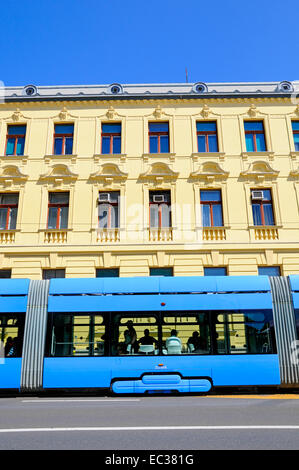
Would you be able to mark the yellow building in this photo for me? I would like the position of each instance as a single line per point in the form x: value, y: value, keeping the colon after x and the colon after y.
x: 149, y: 179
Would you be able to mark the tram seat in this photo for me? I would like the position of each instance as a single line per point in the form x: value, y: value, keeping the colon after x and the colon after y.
x: 191, y: 348
x: 147, y: 348
x: 174, y: 346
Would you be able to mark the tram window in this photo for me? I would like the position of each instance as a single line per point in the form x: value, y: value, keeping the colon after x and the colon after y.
x: 11, y: 334
x: 134, y: 335
x: 186, y: 334
x: 77, y: 335
x: 245, y: 333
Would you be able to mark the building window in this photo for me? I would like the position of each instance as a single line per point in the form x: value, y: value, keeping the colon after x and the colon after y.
x: 109, y: 209
x: 107, y: 272
x: 269, y: 270
x: 255, y: 136
x: 111, y: 138
x: 211, y: 208
x: 8, y: 211
x: 262, y: 209
x: 158, y: 137
x: 215, y: 271
x: 160, y: 209
x: 295, y: 127
x: 5, y: 273
x: 207, y: 137
x: 161, y: 271
x: 53, y: 273
x: 15, y: 140
x: 58, y: 210
x: 63, y: 139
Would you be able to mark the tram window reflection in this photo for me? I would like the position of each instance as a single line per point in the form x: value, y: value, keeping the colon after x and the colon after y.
x: 11, y: 334
x: 135, y: 335
x: 186, y: 333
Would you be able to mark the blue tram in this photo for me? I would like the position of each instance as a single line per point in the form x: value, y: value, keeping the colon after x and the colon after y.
x: 153, y: 334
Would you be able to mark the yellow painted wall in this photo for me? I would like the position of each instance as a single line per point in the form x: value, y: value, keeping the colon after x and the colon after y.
x: 232, y: 170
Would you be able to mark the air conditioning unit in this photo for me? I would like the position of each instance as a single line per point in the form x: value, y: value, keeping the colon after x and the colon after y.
x: 104, y: 197
x: 159, y: 198
x: 257, y: 195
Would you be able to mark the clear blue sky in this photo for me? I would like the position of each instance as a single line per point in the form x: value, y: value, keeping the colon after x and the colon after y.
x: 52, y: 42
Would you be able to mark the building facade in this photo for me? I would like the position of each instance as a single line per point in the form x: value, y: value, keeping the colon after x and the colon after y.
x: 139, y: 180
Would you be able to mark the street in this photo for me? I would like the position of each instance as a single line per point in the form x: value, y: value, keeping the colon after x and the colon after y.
x: 239, y: 422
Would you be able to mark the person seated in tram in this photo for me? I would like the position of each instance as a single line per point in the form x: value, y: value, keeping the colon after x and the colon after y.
x: 8, y: 348
x: 147, y: 340
x: 196, y: 344
x: 173, y: 343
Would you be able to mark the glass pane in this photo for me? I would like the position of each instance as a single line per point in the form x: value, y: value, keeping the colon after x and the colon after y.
x: 16, y: 130
x: 179, y: 336
x: 201, y: 143
x: 267, y: 195
x: 59, y: 198
x: 153, y: 144
x: 138, y: 336
x: 154, y: 215
x: 161, y: 272
x: 68, y: 146
x: 3, y: 218
x: 295, y: 125
x: 116, y: 145
x: 269, y: 270
x: 165, y: 212
x: 105, y: 145
x: 249, y: 143
x: 111, y: 128
x: 215, y: 272
x: 64, y: 213
x: 296, y: 142
x: 108, y: 272
x: 64, y: 128
x: 256, y: 212
x: 10, y: 146
x: 114, y: 222
x: 213, y: 144
x: 20, y: 146
x: 260, y: 142
x: 217, y: 215
x: 58, y: 146
x: 268, y: 214
x: 104, y: 215
x: 52, y: 217
x: 206, y: 215
x: 12, y: 218
x: 164, y: 144
x: 158, y: 127
x: 210, y: 195
x: 11, y: 334
x: 206, y: 126
x: 253, y: 126
x: 12, y: 198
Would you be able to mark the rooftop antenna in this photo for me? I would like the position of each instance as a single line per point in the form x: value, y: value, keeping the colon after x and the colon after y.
x: 186, y: 75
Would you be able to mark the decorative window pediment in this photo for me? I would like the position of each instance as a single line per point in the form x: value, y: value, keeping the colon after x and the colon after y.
x: 11, y: 174
x: 209, y: 172
x: 59, y: 174
x: 109, y: 173
x: 159, y: 172
x: 259, y: 171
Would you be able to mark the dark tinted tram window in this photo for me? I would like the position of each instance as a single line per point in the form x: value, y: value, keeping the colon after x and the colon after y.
x: 136, y: 335
x: 11, y: 334
x: 76, y: 335
x: 244, y: 332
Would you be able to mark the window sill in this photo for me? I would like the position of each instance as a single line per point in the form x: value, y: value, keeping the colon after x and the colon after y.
x: 101, y: 156
x: 24, y: 158
x: 147, y: 156
x: 268, y: 154
x: 70, y: 157
x: 197, y: 155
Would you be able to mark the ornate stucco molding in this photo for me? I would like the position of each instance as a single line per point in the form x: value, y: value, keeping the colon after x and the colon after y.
x: 209, y: 172
x: 12, y: 175
x: 159, y: 172
x: 259, y: 171
x: 109, y: 173
x: 59, y: 174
